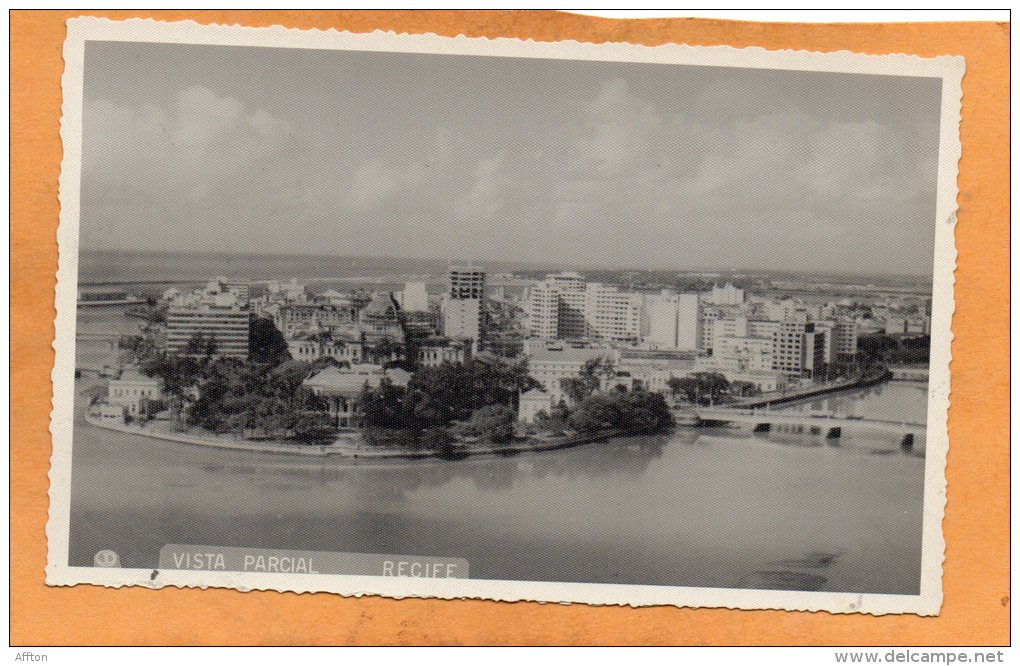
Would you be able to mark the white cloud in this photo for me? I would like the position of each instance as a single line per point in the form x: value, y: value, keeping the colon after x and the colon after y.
x: 485, y: 197
x: 376, y: 183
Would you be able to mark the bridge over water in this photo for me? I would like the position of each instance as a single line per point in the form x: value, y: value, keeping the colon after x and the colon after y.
x: 832, y: 425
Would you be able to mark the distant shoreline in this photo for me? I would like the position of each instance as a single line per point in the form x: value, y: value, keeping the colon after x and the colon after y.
x: 890, y: 280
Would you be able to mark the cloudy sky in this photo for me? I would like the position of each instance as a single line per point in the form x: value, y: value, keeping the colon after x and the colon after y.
x: 618, y: 164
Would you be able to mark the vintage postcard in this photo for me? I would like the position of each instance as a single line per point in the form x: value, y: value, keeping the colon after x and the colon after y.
x: 414, y: 316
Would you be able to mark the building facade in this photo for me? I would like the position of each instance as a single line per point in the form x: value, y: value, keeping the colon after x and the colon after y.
x: 533, y: 403
x: 463, y: 307
x: 219, y: 317
x: 800, y: 349
x: 342, y: 388
x: 466, y: 282
x: 726, y: 295
x: 132, y: 390
x: 564, y: 306
x: 436, y: 352
x: 674, y: 321
x: 414, y: 298
x: 462, y: 318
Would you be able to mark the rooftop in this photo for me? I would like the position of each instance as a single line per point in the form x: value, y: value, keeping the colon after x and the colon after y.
x: 133, y: 375
x: 567, y: 355
x: 350, y: 381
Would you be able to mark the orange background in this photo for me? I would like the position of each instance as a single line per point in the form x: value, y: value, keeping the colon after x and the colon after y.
x: 976, y: 577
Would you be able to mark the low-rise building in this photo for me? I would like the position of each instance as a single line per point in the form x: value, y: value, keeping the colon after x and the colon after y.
x: 112, y: 414
x: 918, y: 325
x: 432, y: 352
x: 743, y: 354
x: 312, y: 347
x: 895, y: 325
x: 549, y: 365
x: 532, y: 403
x: 132, y: 390
x: 301, y: 317
x: 342, y: 388
x: 382, y: 316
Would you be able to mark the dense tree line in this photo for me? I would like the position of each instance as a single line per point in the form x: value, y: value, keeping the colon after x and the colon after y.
x: 702, y: 388
x: 879, y: 348
x: 633, y: 411
x: 477, y: 395
x: 594, y: 373
x: 259, y: 396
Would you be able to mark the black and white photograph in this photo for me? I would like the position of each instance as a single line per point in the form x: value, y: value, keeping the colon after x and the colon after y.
x: 420, y: 316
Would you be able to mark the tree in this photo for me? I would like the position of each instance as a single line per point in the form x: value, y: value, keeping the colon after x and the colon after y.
x: 593, y: 414
x: 202, y: 347
x: 439, y: 395
x: 676, y: 385
x: 589, y: 380
x: 744, y: 389
x: 711, y: 385
x: 644, y: 412
x: 435, y: 439
x: 494, y: 423
x: 266, y: 344
x: 700, y: 387
x: 179, y: 374
x: 591, y: 377
x: 313, y: 427
x: 632, y: 411
x: 382, y: 406
x: 577, y: 388
x: 149, y: 407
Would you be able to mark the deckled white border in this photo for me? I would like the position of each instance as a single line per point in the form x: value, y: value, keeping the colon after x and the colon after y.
x: 949, y: 69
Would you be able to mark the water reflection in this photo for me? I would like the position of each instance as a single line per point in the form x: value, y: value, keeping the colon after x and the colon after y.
x: 622, y: 459
x: 891, y: 401
x: 699, y: 507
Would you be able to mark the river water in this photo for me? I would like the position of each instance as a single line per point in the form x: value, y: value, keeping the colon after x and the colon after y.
x: 698, y: 507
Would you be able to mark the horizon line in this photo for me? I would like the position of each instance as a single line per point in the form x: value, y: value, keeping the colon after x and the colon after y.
x: 452, y: 261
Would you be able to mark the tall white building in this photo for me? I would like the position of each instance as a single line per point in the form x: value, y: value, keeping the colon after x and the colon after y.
x: 467, y: 282
x: 612, y: 314
x: 462, y: 318
x: 728, y: 295
x: 799, y: 348
x: 414, y: 298
x: 463, y: 308
x: 841, y: 335
x: 660, y: 311
x: 565, y: 306
x: 222, y: 317
x: 674, y: 320
x: 688, y: 321
x: 542, y: 307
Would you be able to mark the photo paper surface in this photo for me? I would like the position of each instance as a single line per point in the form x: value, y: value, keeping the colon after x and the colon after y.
x: 465, y: 318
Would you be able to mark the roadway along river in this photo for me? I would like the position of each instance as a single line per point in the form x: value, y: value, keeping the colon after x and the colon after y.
x: 699, y: 507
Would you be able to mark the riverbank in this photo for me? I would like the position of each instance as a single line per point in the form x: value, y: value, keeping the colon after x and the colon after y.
x: 214, y: 442
x: 348, y: 449
x: 571, y: 512
x: 771, y: 400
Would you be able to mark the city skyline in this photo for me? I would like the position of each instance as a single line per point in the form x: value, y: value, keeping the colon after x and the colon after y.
x: 723, y: 168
